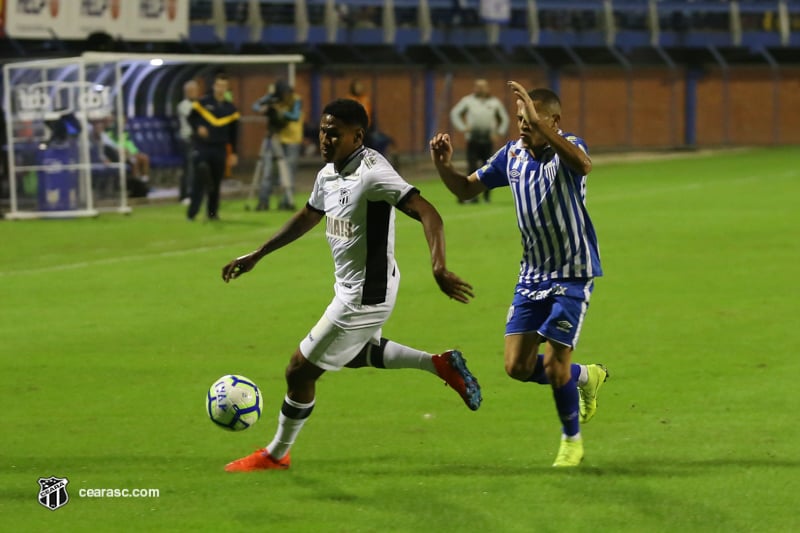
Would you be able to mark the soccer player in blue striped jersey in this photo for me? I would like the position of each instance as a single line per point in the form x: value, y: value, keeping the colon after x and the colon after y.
x: 546, y: 171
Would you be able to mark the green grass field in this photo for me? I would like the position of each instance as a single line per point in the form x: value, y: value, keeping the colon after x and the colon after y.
x: 112, y: 329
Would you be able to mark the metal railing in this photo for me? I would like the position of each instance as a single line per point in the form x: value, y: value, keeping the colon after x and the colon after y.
x: 536, y: 20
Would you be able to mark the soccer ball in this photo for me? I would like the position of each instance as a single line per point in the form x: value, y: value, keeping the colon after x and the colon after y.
x: 234, y: 402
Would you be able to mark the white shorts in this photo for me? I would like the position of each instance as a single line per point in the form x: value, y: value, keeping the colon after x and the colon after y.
x: 345, y: 329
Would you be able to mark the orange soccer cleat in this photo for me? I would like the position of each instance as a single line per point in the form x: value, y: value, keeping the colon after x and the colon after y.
x: 452, y: 368
x: 258, y: 460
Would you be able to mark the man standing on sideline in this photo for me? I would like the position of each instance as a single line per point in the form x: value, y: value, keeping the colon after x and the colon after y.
x: 215, y: 125
x: 184, y: 110
x: 546, y: 171
x: 483, y: 119
x: 357, y: 192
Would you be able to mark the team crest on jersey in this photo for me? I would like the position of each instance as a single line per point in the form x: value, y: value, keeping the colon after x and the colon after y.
x: 549, y: 170
x: 344, y: 197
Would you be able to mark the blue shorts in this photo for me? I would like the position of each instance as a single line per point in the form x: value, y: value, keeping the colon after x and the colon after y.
x: 554, y: 309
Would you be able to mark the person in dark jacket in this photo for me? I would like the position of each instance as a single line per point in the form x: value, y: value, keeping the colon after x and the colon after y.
x: 215, y: 125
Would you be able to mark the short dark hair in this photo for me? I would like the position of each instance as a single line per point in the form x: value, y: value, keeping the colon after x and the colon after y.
x: 348, y: 111
x: 221, y: 76
x: 548, y: 98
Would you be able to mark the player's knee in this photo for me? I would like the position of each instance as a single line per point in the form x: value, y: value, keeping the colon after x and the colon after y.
x: 518, y: 370
x: 296, y: 379
x: 294, y: 371
x: 300, y: 374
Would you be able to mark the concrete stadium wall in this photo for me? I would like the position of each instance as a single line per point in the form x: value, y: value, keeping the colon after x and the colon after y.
x: 612, y: 110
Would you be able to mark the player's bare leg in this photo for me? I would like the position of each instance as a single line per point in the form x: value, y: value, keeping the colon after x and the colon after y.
x: 301, y: 378
x: 555, y: 367
x: 524, y: 364
x: 520, y: 355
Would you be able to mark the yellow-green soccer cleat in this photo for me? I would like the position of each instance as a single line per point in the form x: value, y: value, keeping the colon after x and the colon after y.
x: 587, y: 394
x: 570, y: 453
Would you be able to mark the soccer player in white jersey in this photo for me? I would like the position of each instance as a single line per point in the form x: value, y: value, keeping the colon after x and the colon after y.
x: 546, y: 171
x: 357, y: 192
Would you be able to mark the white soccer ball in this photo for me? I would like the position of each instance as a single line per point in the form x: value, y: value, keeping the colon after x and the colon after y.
x: 234, y: 402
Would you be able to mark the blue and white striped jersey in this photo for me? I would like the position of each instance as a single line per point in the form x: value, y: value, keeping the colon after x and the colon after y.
x: 558, y: 238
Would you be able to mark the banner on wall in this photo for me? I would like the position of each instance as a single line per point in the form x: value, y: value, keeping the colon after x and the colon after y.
x: 159, y: 20
x: 496, y: 10
x: 131, y: 20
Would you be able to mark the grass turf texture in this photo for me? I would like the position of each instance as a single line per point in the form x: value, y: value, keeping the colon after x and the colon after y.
x: 113, y: 329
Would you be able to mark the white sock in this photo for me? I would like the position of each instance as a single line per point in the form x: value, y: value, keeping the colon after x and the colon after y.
x: 399, y: 356
x: 576, y: 436
x: 290, y: 421
x: 583, y: 378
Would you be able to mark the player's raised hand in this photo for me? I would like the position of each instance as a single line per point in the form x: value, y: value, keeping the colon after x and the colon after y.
x: 238, y: 266
x: 524, y: 104
x: 441, y: 148
x: 453, y: 286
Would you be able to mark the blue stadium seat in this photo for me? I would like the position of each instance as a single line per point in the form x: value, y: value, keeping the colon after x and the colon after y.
x: 156, y: 137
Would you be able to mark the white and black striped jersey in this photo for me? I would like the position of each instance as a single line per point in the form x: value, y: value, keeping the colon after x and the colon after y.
x: 358, y: 205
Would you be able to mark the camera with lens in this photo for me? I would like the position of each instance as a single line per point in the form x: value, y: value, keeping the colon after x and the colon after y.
x: 276, y: 95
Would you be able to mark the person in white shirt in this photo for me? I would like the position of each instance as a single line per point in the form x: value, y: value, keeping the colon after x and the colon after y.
x: 483, y: 119
x: 357, y: 191
x: 184, y: 109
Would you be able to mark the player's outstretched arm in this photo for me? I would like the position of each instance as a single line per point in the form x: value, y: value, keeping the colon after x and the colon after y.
x: 297, y: 226
x: 420, y: 209
x: 571, y: 155
x: 463, y: 186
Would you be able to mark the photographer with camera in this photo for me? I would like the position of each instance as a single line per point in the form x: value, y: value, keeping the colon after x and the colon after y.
x: 281, y: 146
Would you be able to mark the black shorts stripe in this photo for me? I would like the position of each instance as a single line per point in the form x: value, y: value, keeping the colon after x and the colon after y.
x: 375, y: 282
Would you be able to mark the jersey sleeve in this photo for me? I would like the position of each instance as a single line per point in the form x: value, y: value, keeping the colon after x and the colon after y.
x: 493, y: 173
x: 317, y: 199
x: 385, y: 184
x: 577, y: 141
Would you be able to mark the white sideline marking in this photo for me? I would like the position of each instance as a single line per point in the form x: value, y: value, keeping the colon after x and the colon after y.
x: 402, y: 221
x: 110, y: 261
x: 187, y: 251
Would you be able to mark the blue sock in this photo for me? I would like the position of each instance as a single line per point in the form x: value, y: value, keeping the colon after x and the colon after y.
x: 540, y: 376
x: 566, y: 398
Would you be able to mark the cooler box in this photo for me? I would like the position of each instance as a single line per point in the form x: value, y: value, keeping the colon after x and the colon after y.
x: 58, y: 187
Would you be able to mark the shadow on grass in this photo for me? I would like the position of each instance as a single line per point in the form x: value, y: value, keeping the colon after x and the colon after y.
x: 390, y: 464
x: 642, y: 467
